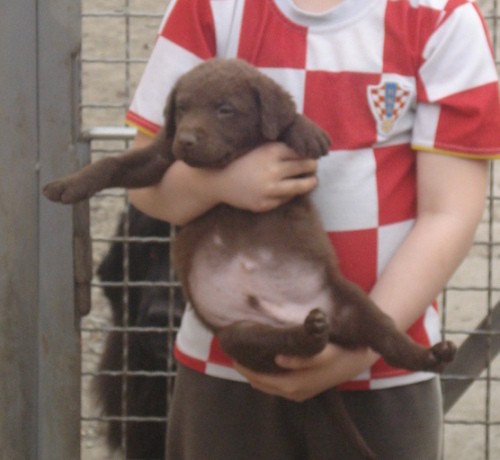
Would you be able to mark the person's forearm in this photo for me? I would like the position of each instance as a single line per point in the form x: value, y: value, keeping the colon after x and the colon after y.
x: 421, y: 267
x: 183, y: 194
x: 451, y: 197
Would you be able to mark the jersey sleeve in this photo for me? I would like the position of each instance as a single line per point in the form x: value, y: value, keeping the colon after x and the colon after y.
x: 458, y: 109
x: 187, y: 36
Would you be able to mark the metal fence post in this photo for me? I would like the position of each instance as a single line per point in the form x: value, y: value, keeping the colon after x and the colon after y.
x: 39, y: 338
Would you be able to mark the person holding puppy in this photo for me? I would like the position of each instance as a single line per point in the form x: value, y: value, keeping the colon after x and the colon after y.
x: 413, y: 111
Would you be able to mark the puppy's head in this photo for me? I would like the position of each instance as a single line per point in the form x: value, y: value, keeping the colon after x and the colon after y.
x: 222, y: 109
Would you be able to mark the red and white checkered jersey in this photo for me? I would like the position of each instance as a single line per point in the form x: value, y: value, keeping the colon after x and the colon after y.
x: 385, y: 78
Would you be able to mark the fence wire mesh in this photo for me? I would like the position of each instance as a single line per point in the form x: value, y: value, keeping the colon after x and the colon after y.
x: 117, y: 40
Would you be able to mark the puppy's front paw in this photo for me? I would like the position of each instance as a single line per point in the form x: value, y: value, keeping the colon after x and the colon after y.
x: 307, y: 138
x: 65, y: 191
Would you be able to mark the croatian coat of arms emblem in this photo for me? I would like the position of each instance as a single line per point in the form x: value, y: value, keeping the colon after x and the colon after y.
x: 388, y: 102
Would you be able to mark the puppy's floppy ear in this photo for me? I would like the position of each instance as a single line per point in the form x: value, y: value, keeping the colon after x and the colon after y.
x: 169, y: 115
x: 277, y: 109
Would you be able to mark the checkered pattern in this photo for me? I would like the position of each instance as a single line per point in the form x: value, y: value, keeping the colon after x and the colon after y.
x: 338, y: 67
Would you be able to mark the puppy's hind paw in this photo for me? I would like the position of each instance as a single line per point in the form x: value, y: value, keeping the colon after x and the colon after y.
x: 315, y: 333
x: 316, y: 324
x: 442, y: 354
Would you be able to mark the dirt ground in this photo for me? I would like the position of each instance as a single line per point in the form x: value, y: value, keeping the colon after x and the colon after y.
x: 107, y: 88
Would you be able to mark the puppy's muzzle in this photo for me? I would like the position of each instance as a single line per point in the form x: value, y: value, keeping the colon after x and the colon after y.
x: 187, y: 140
x: 186, y: 147
x: 195, y: 148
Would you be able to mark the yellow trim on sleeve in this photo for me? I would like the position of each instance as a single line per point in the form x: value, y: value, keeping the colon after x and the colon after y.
x: 472, y: 156
x: 140, y: 128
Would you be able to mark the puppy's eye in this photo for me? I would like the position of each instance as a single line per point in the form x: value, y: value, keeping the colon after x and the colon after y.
x: 180, y: 108
x: 225, y: 110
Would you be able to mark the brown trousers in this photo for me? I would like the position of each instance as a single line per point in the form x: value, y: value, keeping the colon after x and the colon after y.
x: 216, y: 419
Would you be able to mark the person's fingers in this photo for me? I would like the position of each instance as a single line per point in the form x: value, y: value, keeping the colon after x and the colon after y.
x: 295, y: 363
x: 293, y: 168
x: 289, y: 188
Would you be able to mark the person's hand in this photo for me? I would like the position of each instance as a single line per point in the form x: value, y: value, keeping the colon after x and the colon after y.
x: 265, y: 178
x: 305, y: 378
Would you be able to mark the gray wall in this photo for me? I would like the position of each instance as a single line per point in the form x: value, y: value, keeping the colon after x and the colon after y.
x: 39, y: 341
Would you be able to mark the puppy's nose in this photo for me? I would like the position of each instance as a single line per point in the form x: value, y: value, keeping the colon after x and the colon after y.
x: 188, y: 139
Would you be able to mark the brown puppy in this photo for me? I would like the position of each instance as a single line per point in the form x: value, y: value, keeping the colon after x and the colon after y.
x: 265, y: 283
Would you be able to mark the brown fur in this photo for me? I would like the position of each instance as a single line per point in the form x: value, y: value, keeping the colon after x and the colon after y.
x: 216, y: 113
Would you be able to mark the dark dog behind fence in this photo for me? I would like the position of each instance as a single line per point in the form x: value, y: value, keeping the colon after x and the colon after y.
x: 135, y: 278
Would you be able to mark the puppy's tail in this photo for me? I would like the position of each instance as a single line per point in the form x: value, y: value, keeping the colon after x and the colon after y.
x: 336, y: 411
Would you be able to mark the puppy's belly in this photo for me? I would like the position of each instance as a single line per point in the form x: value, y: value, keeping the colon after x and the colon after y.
x: 256, y: 285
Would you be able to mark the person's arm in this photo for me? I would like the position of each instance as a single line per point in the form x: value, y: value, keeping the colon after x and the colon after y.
x: 259, y: 181
x: 451, y: 196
